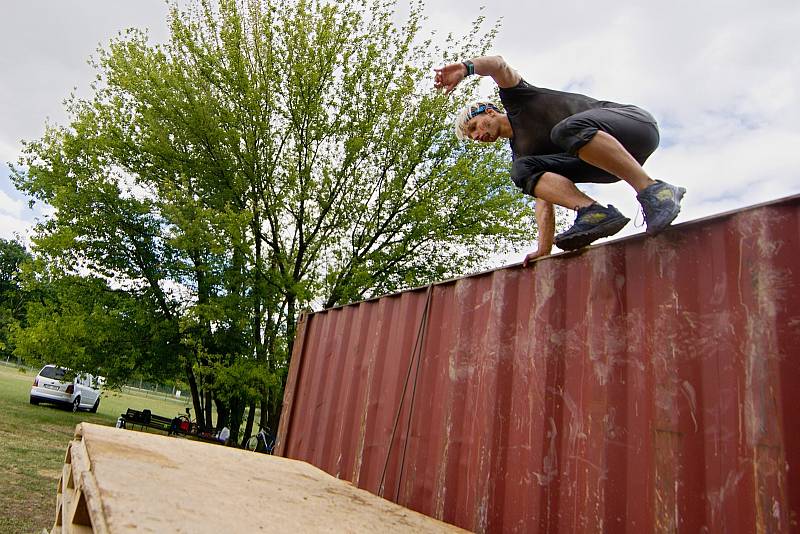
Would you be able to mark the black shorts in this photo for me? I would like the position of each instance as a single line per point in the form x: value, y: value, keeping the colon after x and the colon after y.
x: 633, y: 127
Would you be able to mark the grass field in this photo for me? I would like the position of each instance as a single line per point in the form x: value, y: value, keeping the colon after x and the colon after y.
x: 33, y: 442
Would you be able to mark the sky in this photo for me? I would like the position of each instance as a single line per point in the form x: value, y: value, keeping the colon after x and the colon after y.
x: 721, y: 77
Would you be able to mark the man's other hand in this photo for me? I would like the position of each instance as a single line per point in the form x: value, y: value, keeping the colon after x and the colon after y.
x: 449, y: 76
x: 534, y: 256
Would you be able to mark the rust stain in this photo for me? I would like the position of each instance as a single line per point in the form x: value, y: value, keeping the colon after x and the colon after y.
x: 645, y: 385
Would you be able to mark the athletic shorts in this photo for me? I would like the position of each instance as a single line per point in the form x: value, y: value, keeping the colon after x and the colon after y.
x: 633, y: 127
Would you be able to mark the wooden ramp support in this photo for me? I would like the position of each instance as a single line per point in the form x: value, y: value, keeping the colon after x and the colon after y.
x: 117, y: 480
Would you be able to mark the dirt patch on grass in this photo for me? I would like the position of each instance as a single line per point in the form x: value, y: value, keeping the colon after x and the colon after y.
x: 57, y: 430
x: 33, y: 440
x: 49, y: 473
x: 27, y: 500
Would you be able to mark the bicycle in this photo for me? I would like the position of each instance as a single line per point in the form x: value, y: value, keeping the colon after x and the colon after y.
x: 183, y: 424
x: 262, y: 442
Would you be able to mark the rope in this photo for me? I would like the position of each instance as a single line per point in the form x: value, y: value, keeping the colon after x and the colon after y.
x: 416, y: 352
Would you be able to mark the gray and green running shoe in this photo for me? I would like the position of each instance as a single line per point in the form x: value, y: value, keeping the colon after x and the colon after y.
x: 661, y: 203
x: 592, y: 223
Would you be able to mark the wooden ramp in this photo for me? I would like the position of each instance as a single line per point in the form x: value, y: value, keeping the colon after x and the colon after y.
x: 117, y: 480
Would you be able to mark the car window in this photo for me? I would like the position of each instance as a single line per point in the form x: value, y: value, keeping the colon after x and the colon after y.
x: 55, y: 373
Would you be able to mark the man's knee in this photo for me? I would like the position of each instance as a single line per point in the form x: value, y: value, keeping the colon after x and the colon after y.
x: 547, y: 178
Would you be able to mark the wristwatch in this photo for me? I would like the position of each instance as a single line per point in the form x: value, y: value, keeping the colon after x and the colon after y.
x: 470, y: 67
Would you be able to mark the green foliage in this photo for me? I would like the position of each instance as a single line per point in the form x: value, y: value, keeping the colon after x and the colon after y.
x: 12, y: 254
x: 241, y: 379
x: 274, y: 155
x: 78, y: 322
x: 13, y: 298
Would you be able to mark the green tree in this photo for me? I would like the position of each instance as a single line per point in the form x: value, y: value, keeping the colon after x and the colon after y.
x: 80, y: 323
x: 13, y: 297
x: 274, y: 155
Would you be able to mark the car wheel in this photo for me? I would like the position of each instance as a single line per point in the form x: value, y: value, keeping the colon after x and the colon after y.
x: 34, y: 401
x: 94, y: 408
x: 76, y: 404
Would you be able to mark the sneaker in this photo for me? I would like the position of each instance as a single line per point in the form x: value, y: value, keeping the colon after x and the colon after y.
x: 592, y: 223
x: 661, y: 203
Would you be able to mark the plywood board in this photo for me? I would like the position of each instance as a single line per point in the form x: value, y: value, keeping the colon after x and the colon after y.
x: 117, y: 480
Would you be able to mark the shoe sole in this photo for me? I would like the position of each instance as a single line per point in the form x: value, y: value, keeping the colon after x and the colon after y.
x: 662, y: 225
x: 584, y: 239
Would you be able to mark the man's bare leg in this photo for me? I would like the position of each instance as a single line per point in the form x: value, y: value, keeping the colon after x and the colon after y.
x: 593, y: 221
x: 661, y: 202
x: 605, y: 152
x: 560, y: 190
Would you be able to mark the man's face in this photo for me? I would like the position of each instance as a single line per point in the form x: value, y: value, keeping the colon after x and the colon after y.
x: 484, y: 127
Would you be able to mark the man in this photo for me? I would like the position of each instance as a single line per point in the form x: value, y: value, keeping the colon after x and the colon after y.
x: 559, y: 139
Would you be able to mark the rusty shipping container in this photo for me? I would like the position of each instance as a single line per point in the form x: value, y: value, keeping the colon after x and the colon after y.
x: 643, y: 385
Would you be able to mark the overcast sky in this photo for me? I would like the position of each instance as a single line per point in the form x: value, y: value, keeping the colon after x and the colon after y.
x: 721, y: 77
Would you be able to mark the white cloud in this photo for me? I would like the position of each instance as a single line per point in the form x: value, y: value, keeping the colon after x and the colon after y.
x: 12, y: 227
x: 15, y: 217
x: 9, y: 206
x: 721, y: 76
x: 9, y: 153
x: 44, y: 48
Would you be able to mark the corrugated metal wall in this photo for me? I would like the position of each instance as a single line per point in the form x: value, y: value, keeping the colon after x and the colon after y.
x: 644, y: 385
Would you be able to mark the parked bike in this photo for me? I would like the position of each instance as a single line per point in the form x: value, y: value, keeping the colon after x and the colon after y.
x: 263, y: 442
x: 183, y: 424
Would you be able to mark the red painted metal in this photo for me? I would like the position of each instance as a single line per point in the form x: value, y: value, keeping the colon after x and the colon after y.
x: 647, y: 384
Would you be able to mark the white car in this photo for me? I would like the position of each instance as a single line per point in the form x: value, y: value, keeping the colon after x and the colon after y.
x: 80, y: 393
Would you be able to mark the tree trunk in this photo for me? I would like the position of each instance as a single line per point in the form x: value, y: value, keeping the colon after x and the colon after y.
x: 291, y: 327
x: 264, y: 419
x: 196, y: 401
x: 236, y: 421
x: 248, y: 427
x: 209, y: 416
x: 223, y: 415
x: 274, y: 404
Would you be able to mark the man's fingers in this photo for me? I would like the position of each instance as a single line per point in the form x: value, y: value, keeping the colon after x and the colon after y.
x: 529, y: 259
x: 448, y: 88
x: 442, y: 80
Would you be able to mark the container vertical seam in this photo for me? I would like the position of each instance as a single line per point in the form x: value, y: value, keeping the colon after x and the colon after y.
x: 417, y: 351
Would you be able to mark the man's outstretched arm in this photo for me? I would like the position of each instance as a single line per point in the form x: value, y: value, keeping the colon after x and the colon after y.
x: 546, y: 222
x: 449, y: 76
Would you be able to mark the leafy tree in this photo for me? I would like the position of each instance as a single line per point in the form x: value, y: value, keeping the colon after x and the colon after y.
x: 80, y: 323
x: 274, y: 155
x: 12, y: 296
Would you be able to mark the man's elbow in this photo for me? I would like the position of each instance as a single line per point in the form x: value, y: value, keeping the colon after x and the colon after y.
x: 503, y: 74
x: 499, y: 62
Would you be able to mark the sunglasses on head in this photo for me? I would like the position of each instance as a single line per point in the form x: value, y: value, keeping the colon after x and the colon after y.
x: 480, y: 109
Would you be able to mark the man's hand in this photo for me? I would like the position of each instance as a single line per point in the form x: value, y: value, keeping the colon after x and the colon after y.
x: 449, y: 76
x: 535, y: 255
